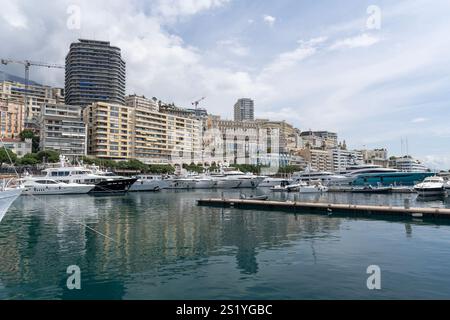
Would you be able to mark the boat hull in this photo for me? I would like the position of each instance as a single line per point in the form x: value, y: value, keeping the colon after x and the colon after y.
x: 148, y: 185
x: 113, y: 186
x: 312, y: 189
x: 228, y: 184
x: 7, y: 197
x: 391, y: 178
x: 374, y: 190
x: 56, y: 190
x: 205, y: 184
x: 430, y: 192
x: 181, y: 184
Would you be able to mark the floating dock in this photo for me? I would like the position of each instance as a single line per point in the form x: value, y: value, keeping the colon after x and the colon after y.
x: 328, y: 208
x: 394, y: 189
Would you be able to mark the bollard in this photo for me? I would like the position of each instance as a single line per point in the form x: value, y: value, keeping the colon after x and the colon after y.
x: 407, y: 204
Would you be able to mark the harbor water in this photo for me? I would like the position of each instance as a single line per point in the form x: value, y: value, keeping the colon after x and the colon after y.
x: 163, y: 246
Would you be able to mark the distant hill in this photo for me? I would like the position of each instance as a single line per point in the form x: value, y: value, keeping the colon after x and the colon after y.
x: 9, y: 77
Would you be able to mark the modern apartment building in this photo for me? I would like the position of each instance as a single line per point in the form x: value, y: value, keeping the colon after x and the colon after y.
x: 318, y: 159
x: 63, y: 129
x: 162, y: 136
x: 109, y: 131
x: 11, y: 119
x: 138, y: 130
x: 341, y: 159
x: 95, y: 72
x: 244, y: 110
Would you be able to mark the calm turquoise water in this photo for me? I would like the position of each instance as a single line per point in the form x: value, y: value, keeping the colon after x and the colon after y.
x: 165, y: 247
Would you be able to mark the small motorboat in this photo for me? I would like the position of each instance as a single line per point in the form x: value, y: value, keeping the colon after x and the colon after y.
x: 370, y: 189
x: 315, y: 188
x: 252, y: 197
x: 431, y: 187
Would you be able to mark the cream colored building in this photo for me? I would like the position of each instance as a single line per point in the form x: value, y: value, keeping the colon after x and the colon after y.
x: 318, y: 159
x: 138, y: 130
x: 260, y: 141
x: 37, y: 95
x: 109, y: 131
x: 163, y: 137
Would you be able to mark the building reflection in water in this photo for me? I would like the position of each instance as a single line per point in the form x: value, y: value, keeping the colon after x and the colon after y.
x: 153, y: 233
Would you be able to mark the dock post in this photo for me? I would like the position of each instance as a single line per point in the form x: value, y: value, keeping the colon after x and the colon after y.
x: 407, y: 204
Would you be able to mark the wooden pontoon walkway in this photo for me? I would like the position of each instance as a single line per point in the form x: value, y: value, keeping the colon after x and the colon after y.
x: 327, y: 208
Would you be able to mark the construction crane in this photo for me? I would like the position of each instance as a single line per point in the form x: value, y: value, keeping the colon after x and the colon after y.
x: 27, y: 64
x: 195, y: 103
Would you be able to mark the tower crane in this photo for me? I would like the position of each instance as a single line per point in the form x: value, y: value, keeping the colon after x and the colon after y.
x: 195, y: 103
x: 27, y: 64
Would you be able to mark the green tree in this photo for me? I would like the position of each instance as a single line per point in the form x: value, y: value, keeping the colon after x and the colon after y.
x: 289, y: 169
x: 29, y: 159
x: 29, y: 134
x: 4, y: 158
x: 50, y: 156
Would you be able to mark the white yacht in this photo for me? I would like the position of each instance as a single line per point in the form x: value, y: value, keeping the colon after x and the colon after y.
x: 431, y: 186
x: 248, y: 180
x: 312, y: 188
x: 224, y: 182
x: 8, y: 194
x: 273, y: 182
x: 149, y: 183
x: 325, y: 177
x: 105, y: 182
x: 41, y: 186
x: 181, y: 183
x: 205, y: 183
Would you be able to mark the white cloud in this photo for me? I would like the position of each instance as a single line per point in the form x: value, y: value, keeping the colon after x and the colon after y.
x: 12, y: 14
x: 437, y: 162
x: 288, y: 59
x: 419, y: 120
x: 362, y: 40
x: 310, y: 86
x: 176, y: 8
x: 234, y: 47
x: 270, y: 20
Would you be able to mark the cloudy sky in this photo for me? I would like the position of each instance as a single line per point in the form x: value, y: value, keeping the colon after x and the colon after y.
x: 320, y: 65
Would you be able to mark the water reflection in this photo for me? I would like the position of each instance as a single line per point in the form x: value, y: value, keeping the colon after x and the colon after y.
x: 151, y: 238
